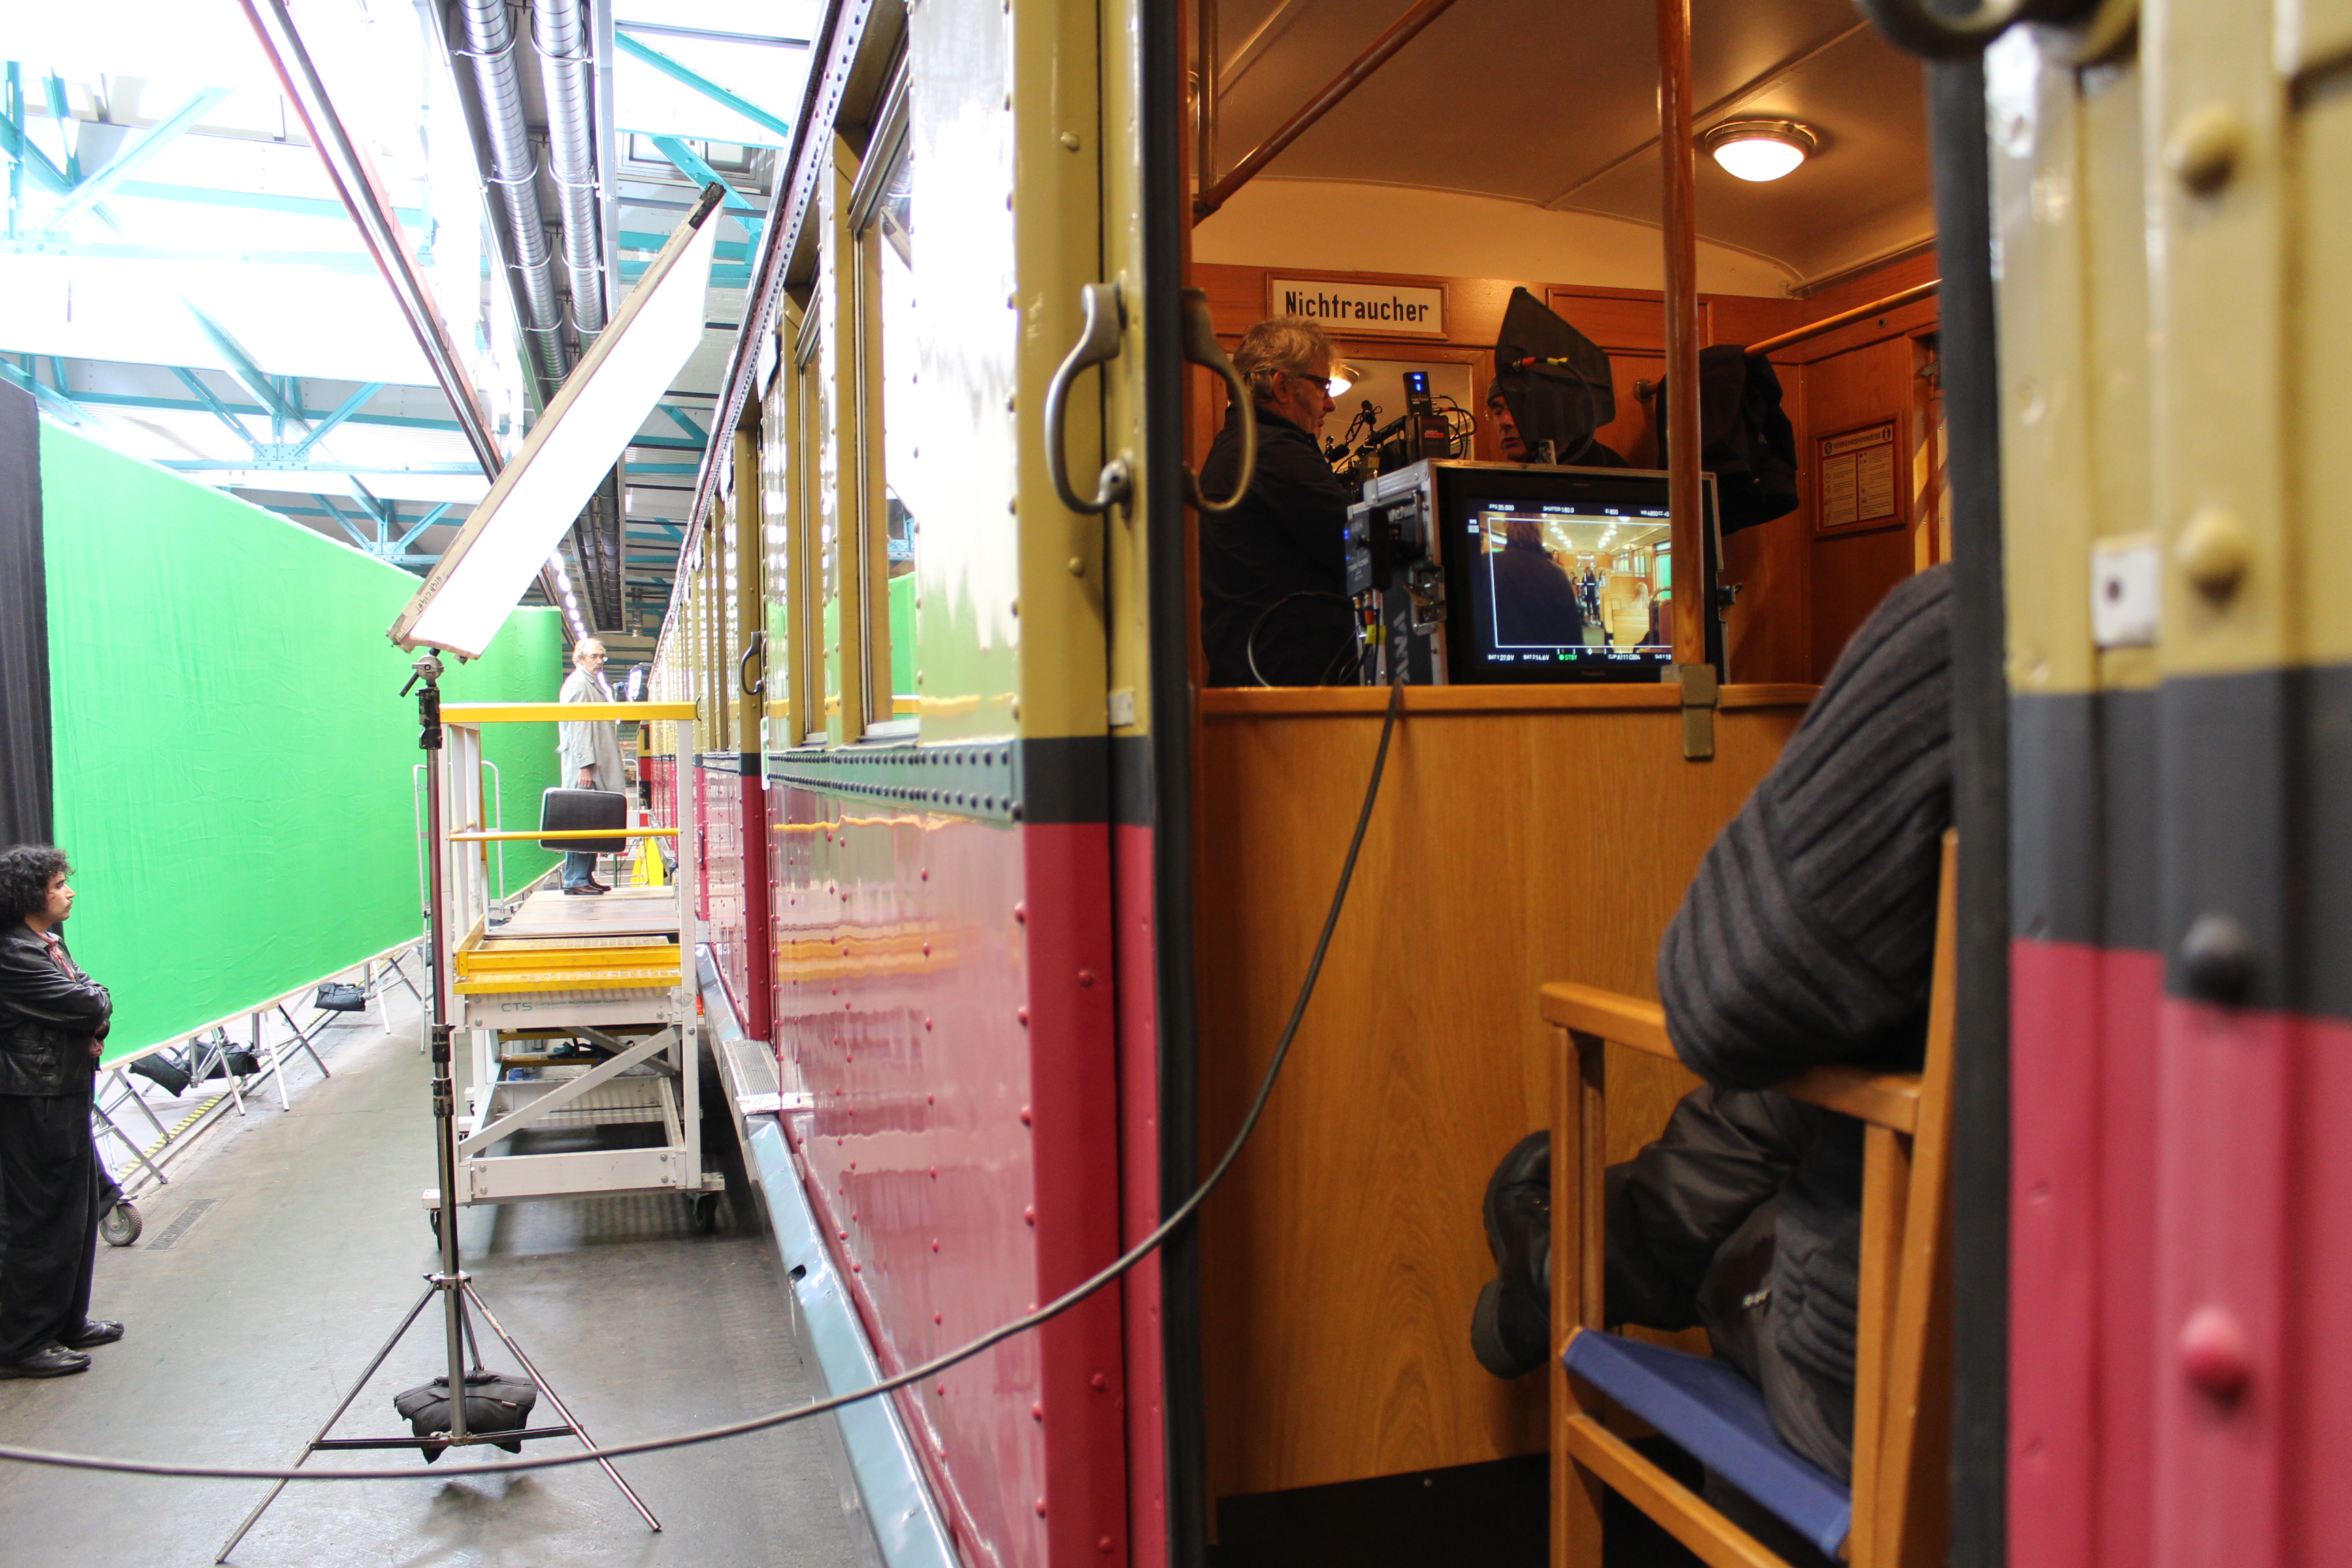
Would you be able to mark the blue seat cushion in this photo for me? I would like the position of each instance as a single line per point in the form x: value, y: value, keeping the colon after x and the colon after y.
x: 1717, y: 1416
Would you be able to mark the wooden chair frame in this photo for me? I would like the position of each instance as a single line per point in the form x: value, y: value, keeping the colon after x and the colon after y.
x: 1901, y: 1363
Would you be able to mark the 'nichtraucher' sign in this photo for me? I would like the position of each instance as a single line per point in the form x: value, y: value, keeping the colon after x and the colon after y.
x: 1360, y: 310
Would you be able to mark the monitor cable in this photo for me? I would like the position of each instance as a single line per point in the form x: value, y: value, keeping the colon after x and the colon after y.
x: 1108, y: 1274
x: 1249, y: 645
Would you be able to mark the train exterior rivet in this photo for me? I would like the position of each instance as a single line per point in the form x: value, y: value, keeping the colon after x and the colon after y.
x: 1020, y: 914
x: 1070, y: 139
x: 1037, y: 1411
x: 1029, y: 1216
x: 2212, y: 552
x: 935, y: 1177
x: 2218, y: 961
x: 2205, y: 147
x: 1086, y: 979
x: 2214, y: 1354
x: 1041, y: 1508
x: 1025, y: 1122
x: 1021, y: 1016
x: 1104, y: 1546
x: 1099, y: 1383
x: 1077, y: 566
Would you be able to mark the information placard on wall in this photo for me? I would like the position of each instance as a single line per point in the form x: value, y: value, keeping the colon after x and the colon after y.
x: 1356, y: 309
x: 1860, y: 479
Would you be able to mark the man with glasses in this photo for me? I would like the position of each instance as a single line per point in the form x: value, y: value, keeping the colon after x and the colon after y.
x: 590, y: 751
x: 1274, y: 606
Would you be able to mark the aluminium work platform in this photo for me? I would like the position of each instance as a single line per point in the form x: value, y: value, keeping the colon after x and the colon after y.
x: 610, y: 972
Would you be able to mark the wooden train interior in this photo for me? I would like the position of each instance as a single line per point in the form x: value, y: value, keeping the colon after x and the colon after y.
x: 1524, y: 835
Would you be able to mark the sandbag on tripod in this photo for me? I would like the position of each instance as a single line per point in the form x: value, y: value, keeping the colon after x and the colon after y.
x: 494, y: 1403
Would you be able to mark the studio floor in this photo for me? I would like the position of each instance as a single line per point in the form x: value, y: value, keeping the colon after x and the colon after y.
x: 286, y: 1248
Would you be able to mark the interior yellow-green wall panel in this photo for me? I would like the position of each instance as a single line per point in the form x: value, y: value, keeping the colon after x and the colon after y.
x: 233, y: 757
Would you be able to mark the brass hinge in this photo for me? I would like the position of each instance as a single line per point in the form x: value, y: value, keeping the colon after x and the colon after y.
x: 1697, y: 683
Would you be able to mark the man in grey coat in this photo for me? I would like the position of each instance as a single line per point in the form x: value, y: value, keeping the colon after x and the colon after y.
x: 589, y: 752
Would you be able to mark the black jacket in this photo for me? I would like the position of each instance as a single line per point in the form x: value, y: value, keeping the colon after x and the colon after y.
x: 47, y: 1018
x: 1287, y: 537
x: 1535, y: 603
x: 1808, y: 937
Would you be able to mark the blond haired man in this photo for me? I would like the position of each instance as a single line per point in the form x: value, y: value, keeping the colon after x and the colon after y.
x: 1273, y: 569
x: 589, y: 752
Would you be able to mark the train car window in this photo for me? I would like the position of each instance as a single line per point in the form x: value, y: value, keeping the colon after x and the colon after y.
x: 811, y: 564
x: 881, y: 216
x: 890, y: 236
x: 780, y: 696
x: 827, y: 512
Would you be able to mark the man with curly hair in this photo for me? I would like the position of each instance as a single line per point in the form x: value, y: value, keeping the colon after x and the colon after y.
x: 53, y: 1018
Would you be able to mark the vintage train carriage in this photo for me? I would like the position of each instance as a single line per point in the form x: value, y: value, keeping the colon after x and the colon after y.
x: 1022, y: 906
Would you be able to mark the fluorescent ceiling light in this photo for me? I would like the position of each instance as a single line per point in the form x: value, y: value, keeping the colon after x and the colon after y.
x: 606, y: 399
x: 1760, y: 150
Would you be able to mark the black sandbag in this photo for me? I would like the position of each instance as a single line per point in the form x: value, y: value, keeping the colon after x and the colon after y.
x: 166, y: 1070
x: 336, y: 997
x: 494, y: 1403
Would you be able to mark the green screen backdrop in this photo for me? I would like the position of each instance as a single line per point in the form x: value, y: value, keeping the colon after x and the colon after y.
x: 233, y: 757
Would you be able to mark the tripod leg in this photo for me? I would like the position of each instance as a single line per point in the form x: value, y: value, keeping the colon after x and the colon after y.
x: 312, y: 1447
x: 568, y: 1419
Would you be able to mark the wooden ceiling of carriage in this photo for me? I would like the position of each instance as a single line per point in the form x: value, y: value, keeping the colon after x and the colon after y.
x: 1554, y: 104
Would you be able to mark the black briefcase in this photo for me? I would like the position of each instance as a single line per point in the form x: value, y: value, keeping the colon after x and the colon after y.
x: 579, y: 811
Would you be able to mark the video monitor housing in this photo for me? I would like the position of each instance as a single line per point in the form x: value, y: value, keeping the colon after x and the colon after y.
x: 1550, y: 576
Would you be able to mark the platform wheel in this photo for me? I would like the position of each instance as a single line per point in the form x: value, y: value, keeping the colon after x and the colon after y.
x: 120, y: 1225
x: 709, y: 1218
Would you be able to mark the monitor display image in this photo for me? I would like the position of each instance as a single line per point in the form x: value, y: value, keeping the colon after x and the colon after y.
x: 1564, y: 586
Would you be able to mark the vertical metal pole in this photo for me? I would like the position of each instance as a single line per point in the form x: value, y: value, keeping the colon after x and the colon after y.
x: 1204, y: 102
x: 444, y: 1146
x: 1980, y: 1085
x: 1692, y: 591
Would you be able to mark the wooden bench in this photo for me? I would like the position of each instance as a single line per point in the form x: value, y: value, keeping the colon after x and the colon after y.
x: 1898, y: 1510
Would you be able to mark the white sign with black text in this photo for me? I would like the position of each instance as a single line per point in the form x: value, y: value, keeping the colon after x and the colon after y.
x: 1360, y: 310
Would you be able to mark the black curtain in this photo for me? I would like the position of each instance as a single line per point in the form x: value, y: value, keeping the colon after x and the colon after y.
x: 24, y: 798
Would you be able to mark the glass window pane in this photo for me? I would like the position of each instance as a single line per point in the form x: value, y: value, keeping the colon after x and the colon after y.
x: 894, y: 228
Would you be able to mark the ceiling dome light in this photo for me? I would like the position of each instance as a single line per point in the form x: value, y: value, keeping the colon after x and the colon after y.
x: 1760, y: 150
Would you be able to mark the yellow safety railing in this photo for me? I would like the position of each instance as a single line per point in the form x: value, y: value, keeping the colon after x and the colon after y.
x: 552, y: 713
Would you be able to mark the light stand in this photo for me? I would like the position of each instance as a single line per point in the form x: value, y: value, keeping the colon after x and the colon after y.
x: 450, y: 1282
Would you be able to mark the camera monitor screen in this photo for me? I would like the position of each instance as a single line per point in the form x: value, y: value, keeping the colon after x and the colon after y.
x: 1565, y: 589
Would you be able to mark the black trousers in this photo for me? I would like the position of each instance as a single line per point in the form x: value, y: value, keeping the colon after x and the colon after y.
x: 49, y: 1173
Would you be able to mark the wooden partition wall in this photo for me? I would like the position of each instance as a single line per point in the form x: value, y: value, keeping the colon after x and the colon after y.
x: 1523, y: 834
x: 1806, y: 583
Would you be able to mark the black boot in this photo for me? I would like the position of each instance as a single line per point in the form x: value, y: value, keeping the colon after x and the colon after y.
x: 1511, y: 1330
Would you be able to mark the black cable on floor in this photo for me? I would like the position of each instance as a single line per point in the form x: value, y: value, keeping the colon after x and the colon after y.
x: 932, y: 1368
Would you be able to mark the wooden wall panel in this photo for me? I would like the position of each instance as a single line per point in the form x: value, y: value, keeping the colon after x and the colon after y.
x: 1340, y: 1262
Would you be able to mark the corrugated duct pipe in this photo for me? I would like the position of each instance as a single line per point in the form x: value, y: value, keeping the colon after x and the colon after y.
x: 563, y: 45
x: 491, y: 44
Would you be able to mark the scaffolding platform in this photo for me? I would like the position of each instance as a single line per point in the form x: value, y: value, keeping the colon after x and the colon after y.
x: 578, y: 1010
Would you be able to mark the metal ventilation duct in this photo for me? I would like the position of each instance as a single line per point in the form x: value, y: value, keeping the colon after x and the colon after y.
x: 564, y: 60
x: 490, y: 45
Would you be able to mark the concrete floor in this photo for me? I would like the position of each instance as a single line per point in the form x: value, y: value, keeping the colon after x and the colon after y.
x: 246, y: 1329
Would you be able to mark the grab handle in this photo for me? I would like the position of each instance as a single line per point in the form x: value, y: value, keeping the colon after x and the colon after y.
x: 1098, y: 343
x: 1201, y: 347
x: 752, y: 650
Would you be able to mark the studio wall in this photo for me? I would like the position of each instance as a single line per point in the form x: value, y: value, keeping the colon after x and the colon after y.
x: 233, y: 760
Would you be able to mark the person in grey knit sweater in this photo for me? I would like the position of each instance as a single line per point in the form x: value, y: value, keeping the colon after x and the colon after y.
x: 1807, y: 937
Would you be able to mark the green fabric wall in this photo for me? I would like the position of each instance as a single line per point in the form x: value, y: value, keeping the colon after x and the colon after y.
x: 233, y: 756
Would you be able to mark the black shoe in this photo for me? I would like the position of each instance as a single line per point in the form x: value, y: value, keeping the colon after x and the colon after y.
x: 597, y: 887
x: 584, y: 891
x: 94, y: 1331
x: 1510, y: 1331
x: 52, y: 1360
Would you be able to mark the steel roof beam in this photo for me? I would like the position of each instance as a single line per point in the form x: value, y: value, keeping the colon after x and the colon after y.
x: 86, y: 194
x: 55, y: 399
x: 703, y: 85
x: 348, y: 406
x: 690, y: 162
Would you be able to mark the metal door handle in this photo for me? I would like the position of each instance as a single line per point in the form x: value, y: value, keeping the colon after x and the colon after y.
x: 753, y: 649
x: 1201, y: 347
x: 1099, y: 343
